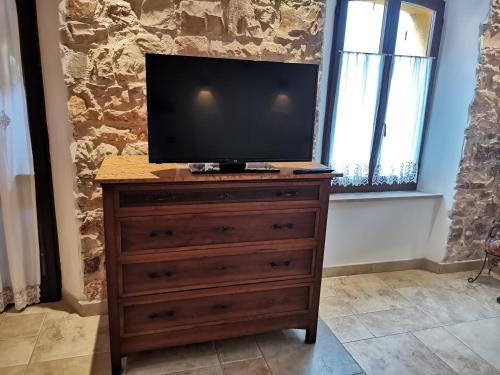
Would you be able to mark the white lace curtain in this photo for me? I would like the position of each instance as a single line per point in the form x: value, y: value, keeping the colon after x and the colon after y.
x: 355, y: 116
x: 404, y: 119
x: 19, y: 252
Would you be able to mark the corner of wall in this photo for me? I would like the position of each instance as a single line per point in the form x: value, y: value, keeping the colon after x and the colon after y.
x: 450, y: 115
x: 60, y: 140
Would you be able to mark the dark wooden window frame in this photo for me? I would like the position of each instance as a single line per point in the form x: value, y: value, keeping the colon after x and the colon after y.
x: 50, y: 268
x: 389, y: 34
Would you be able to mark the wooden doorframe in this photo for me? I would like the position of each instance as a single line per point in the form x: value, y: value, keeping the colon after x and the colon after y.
x: 50, y: 268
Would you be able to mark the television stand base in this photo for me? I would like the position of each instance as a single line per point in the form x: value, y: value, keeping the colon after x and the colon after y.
x: 211, y: 168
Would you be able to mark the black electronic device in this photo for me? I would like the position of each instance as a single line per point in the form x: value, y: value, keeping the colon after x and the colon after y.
x: 232, y: 112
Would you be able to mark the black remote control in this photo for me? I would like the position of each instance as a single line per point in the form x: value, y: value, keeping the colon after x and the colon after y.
x: 312, y: 170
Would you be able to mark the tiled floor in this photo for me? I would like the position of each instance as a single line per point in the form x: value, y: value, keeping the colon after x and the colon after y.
x: 408, y: 322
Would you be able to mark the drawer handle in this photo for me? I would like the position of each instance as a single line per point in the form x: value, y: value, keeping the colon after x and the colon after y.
x: 286, y: 194
x: 155, y: 275
x: 286, y: 263
x: 221, y: 307
x: 222, y: 268
x: 162, y: 314
x: 224, y: 228
x: 168, y: 233
x: 225, y: 196
x: 283, y: 226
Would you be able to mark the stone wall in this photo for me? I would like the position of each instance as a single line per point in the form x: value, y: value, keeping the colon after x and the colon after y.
x: 477, y: 199
x: 103, y: 47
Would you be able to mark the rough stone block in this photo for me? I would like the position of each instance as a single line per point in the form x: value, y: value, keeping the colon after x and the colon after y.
x: 86, y: 34
x: 191, y: 45
x: 81, y: 9
x: 158, y: 14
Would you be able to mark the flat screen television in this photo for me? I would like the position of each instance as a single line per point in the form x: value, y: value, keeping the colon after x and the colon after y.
x: 204, y: 110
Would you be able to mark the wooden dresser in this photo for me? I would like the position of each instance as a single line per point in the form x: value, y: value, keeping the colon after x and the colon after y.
x: 193, y: 258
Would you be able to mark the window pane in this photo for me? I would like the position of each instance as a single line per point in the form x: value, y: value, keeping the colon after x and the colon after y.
x: 364, y: 26
x: 354, y: 117
x: 414, y: 30
x: 398, y: 160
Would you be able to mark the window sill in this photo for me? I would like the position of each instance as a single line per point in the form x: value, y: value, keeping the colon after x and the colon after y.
x: 386, y: 195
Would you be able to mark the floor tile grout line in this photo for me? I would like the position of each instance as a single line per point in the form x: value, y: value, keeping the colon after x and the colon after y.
x: 441, y: 325
x: 263, y: 356
x: 405, y: 331
x: 365, y: 325
x: 463, y: 342
x: 218, y: 358
x: 36, y: 342
x: 433, y: 353
x: 241, y: 360
x: 458, y: 372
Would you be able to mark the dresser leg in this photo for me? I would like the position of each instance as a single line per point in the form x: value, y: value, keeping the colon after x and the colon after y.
x: 116, y: 363
x: 311, y: 334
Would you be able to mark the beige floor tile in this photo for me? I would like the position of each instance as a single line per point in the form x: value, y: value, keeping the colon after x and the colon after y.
x: 486, y: 290
x: 348, y: 328
x: 173, y: 360
x: 401, y: 279
x: 212, y: 370
x: 256, y: 366
x: 390, y: 322
x: 54, y: 308
x: 454, y: 353
x: 98, y: 364
x: 334, y: 306
x: 286, y: 353
x: 397, y: 355
x: 364, y: 298
x: 326, y: 291
x: 447, y: 304
x: 71, y: 336
x: 237, y: 349
x: 21, y: 325
x: 342, y: 281
x: 14, y: 370
x: 482, y: 336
x: 16, y: 351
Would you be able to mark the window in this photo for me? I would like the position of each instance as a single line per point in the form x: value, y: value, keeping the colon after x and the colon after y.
x: 380, y: 86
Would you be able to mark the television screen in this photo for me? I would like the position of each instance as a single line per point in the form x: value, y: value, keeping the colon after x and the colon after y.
x: 222, y: 110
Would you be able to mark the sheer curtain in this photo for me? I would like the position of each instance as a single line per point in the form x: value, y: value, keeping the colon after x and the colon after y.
x: 399, y: 153
x: 19, y: 252
x: 354, y: 117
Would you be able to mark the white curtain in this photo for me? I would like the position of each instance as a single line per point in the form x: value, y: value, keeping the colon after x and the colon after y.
x: 399, y: 153
x: 19, y: 252
x: 354, y: 117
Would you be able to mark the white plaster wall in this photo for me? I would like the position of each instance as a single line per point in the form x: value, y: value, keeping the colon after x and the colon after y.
x: 378, y: 230
x: 60, y: 139
x: 454, y: 91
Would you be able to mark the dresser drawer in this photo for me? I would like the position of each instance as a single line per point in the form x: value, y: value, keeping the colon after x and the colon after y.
x: 158, y: 316
x: 164, y: 232
x: 147, y: 197
x: 154, y: 277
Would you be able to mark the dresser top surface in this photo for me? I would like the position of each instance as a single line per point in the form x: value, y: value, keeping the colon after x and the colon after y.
x: 137, y: 169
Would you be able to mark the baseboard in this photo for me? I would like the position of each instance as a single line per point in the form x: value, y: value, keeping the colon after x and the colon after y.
x: 401, y: 265
x: 467, y: 265
x: 85, y: 308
